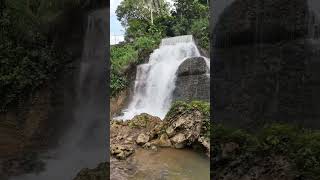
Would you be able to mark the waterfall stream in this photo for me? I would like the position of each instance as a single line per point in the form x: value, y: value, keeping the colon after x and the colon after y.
x: 84, y: 145
x: 155, y: 80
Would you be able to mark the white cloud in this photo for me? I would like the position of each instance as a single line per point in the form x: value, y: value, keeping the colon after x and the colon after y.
x: 116, y: 39
x: 115, y: 3
x: 113, y: 6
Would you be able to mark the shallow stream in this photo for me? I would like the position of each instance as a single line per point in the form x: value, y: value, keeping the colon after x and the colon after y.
x: 163, y: 164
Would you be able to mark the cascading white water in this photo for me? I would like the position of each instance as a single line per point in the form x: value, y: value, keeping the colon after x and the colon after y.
x: 84, y: 144
x: 155, y: 81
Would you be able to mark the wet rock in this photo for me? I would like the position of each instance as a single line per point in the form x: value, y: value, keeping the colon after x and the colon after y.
x: 147, y: 145
x: 205, y: 142
x: 144, y: 121
x: 102, y: 172
x: 24, y: 163
x: 179, y: 130
x: 192, y: 66
x: 121, y: 151
x: 183, y: 129
x: 229, y: 148
x: 164, y: 141
x: 179, y: 141
x: 142, y: 139
x: 192, y: 82
x: 170, y: 131
x: 154, y: 148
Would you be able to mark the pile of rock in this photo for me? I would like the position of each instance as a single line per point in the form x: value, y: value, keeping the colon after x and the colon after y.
x: 177, y: 131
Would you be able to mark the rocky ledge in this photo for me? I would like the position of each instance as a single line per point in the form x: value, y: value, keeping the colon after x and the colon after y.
x: 185, y: 125
x: 99, y: 173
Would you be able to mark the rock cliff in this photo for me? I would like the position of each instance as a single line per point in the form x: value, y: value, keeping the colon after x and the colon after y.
x: 266, y: 60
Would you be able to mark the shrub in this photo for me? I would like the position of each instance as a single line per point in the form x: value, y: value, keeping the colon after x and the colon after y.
x: 300, y: 146
x: 124, y: 55
x: 200, y: 30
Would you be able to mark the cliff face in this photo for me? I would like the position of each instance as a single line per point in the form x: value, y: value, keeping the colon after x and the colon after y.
x: 266, y: 61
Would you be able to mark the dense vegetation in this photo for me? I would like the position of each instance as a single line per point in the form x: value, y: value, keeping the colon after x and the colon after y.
x: 27, y: 56
x: 125, y: 55
x: 301, y: 147
x: 146, y: 23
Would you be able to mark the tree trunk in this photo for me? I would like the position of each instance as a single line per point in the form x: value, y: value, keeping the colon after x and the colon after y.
x: 151, y: 10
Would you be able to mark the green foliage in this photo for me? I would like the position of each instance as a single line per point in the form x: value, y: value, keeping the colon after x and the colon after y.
x: 191, y: 9
x: 188, y: 17
x: 300, y: 146
x: 165, y: 24
x: 146, y: 43
x: 125, y: 55
x: 32, y: 17
x: 122, y: 56
x: 117, y: 83
x: 136, y: 28
x: 181, y: 107
x: 200, y: 30
x: 27, y: 58
x: 141, y: 11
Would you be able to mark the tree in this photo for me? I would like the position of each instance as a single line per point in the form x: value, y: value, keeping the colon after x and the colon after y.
x: 145, y: 10
x: 154, y: 6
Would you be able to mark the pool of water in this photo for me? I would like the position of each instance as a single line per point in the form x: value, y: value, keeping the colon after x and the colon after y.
x: 164, y: 164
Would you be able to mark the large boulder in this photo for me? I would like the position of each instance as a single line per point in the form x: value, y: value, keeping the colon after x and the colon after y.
x: 186, y: 125
x: 126, y: 136
x: 193, y: 81
x: 266, y: 65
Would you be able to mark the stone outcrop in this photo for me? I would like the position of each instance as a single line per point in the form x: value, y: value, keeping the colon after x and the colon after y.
x: 193, y: 82
x: 102, y: 172
x: 266, y: 65
x: 182, y: 127
x: 125, y: 136
x: 275, y: 167
x: 142, y: 139
x: 121, y: 151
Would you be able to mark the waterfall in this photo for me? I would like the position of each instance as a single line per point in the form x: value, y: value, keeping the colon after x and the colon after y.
x: 155, y: 80
x: 84, y: 145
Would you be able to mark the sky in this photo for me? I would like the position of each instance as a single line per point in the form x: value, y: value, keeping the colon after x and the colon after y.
x: 116, y: 30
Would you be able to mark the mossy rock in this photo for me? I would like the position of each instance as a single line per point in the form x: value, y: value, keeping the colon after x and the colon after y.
x: 143, y: 121
x: 298, y: 147
x: 102, y: 172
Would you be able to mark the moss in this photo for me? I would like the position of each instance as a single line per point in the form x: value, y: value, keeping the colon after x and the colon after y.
x: 300, y: 146
x: 140, y: 121
x: 181, y: 107
x: 100, y: 173
x: 127, y: 55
